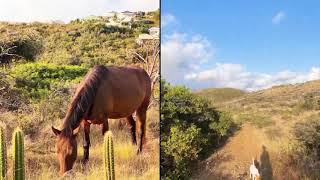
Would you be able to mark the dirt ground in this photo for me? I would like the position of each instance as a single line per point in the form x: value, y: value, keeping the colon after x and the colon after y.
x: 233, y: 160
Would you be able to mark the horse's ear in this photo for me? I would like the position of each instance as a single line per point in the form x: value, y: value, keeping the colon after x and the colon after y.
x: 55, y: 131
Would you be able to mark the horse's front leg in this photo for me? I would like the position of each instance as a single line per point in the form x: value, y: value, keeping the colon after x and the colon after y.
x: 86, y: 141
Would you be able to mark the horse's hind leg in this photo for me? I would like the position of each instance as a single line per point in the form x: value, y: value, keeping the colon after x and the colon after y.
x: 122, y: 123
x: 104, y: 126
x: 132, y: 127
x: 141, y: 125
x: 86, y: 141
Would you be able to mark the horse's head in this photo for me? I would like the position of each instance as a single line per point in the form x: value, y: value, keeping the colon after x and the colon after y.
x: 66, y: 148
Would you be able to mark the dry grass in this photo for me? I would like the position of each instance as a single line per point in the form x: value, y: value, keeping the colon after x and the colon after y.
x: 41, y: 162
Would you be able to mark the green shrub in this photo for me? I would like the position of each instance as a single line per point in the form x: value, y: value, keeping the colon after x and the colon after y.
x: 189, y: 127
x: 308, y: 133
x: 309, y: 102
x: 25, y: 43
x: 38, y: 79
x: 184, y: 145
x: 223, y: 125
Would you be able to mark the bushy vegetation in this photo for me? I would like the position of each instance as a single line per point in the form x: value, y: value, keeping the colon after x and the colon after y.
x: 26, y: 43
x: 189, y: 126
x: 38, y: 79
x: 309, y: 102
x: 80, y: 42
x: 299, y: 158
x: 308, y: 134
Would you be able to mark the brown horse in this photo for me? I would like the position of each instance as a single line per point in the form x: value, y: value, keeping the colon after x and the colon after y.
x: 105, y: 92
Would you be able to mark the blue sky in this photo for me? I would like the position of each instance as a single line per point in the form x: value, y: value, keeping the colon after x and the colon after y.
x: 265, y: 42
x: 66, y: 10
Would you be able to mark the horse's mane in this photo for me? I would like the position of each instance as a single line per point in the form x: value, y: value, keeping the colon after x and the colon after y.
x: 84, y: 97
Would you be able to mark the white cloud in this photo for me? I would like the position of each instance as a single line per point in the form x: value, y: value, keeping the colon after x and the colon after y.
x: 184, y: 56
x: 278, y: 18
x: 167, y: 19
x: 43, y: 10
x: 180, y: 54
x: 236, y: 76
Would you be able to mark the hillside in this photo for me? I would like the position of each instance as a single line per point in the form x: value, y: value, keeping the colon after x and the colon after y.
x: 284, y: 98
x: 81, y: 42
x: 218, y: 95
x: 282, y: 119
x: 41, y: 64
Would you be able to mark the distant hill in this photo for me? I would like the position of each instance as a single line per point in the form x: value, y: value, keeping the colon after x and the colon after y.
x: 220, y: 94
x: 284, y: 95
x: 289, y: 94
x: 285, y: 103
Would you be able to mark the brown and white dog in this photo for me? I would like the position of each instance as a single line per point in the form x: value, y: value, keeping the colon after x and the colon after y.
x: 254, y: 172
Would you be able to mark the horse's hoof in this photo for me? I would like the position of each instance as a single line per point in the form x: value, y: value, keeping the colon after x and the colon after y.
x: 139, y: 151
x: 84, y: 161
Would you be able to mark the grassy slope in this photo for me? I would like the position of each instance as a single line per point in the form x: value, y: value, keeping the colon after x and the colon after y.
x: 220, y: 94
x: 277, y: 100
x: 273, y: 112
x: 41, y: 162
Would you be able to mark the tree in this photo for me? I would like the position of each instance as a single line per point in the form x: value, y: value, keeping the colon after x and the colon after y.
x: 6, y: 56
x: 148, y: 54
x: 22, y: 44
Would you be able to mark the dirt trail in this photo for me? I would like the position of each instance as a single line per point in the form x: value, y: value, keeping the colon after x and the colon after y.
x: 233, y: 160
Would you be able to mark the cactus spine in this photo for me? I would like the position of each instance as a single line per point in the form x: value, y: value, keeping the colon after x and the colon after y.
x: 18, y: 155
x: 108, y: 157
x: 3, y: 155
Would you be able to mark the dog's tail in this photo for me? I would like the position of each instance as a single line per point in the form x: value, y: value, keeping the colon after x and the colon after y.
x: 253, y: 161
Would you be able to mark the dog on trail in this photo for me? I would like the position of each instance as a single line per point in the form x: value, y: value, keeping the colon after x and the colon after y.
x: 254, y: 172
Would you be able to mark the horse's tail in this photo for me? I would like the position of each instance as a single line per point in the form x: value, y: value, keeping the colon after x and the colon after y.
x: 85, y: 96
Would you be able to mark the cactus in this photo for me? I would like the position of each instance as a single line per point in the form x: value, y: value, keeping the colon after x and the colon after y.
x: 108, y: 156
x: 3, y: 155
x: 18, y: 155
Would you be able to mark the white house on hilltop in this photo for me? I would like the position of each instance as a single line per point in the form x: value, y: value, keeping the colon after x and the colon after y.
x: 154, y: 31
x: 119, y: 19
x: 153, y: 35
x: 128, y: 13
x: 110, y: 14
